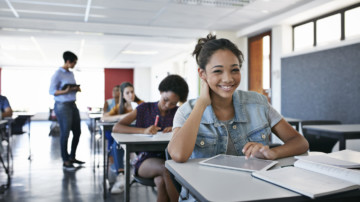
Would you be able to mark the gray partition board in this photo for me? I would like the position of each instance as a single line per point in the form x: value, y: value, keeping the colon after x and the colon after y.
x: 323, y: 85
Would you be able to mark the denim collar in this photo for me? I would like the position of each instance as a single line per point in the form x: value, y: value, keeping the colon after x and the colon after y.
x: 210, y: 118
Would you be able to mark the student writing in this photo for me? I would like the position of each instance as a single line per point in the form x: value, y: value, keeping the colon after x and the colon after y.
x: 152, y: 164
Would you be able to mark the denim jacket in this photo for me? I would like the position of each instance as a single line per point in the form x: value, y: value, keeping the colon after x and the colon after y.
x: 250, y: 124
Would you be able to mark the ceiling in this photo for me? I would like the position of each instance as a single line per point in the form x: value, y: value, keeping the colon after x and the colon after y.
x: 126, y: 33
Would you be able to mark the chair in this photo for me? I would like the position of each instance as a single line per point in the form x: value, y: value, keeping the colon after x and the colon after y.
x: 316, y: 142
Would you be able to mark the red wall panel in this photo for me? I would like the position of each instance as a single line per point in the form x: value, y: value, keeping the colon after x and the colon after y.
x: 115, y: 77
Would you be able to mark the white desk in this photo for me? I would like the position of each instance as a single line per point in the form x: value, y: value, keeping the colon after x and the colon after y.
x: 27, y: 116
x: 107, y: 126
x: 341, y: 132
x: 207, y: 183
x: 136, y: 143
x: 94, y: 118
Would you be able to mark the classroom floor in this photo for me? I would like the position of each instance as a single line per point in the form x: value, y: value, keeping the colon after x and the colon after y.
x: 43, y: 178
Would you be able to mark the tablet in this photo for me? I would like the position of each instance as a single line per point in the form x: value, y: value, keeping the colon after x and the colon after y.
x: 238, y: 163
x: 71, y: 85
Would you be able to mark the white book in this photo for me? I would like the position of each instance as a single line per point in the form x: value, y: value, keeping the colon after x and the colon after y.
x: 345, y: 158
x: 312, y: 179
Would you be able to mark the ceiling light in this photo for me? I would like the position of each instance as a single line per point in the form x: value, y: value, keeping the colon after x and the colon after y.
x: 140, y: 52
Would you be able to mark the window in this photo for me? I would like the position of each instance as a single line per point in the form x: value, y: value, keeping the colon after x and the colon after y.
x: 352, y: 27
x: 328, y: 29
x: 336, y: 26
x: 303, y: 36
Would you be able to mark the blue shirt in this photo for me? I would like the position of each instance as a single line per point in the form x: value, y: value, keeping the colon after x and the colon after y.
x: 4, y: 103
x: 253, y: 120
x: 58, y: 80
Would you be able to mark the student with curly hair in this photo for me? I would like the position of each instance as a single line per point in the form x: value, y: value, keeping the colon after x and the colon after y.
x: 152, y: 164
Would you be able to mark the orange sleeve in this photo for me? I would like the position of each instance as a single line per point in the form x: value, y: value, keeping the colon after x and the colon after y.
x: 114, y: 110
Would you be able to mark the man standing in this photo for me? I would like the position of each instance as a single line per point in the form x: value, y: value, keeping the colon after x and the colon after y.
x: 65, y: 108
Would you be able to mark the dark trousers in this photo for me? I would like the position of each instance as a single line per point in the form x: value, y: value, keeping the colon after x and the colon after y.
x: 68, y: 117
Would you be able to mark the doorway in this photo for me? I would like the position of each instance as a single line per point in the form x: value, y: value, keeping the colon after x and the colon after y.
x: 260, y: 64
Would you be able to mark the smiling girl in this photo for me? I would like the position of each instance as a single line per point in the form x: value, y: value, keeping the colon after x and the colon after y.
x: 224, y: 120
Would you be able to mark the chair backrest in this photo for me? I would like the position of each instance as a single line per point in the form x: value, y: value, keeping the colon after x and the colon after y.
x: 176, y: 183
x: 316, y: 142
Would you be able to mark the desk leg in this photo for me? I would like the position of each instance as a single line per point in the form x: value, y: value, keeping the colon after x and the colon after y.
x: 105, y: 166
x: 127, y: 174
x: 29, y: 122
x: 93, y: 138
x: 342, y: 143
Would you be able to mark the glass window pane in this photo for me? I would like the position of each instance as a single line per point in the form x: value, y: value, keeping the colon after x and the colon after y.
x: 304, y: 36
x: 352, y: 27
x: 266, y: 62
x: 328, y: 29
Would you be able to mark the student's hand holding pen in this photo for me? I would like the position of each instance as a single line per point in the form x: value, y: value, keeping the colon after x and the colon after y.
x: 258, y: 150
x: 152, y: 129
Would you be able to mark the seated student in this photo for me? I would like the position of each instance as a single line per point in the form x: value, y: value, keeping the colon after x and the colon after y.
x: 5, y: 107
x: 110, y: 103
x: 152, y: 164
x: 224, y: 120
x: 127, y: 98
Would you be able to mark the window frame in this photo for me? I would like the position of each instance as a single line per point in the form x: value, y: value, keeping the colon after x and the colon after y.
x: 314, y: 21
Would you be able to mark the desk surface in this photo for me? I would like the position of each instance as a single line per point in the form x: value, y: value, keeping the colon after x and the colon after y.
x: 342, y: 128
x: 217, y: 184
x: 95, y: 115
x: 141, y: 138
x: 292, y: 119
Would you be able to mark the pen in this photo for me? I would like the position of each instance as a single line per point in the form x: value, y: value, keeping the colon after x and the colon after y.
x: 156, y: 120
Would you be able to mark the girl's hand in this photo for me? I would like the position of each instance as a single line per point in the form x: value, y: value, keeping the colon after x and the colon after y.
x: 152, y: 129
x: 205, y: 93
x: 258, y: 150
x: 167, y: 129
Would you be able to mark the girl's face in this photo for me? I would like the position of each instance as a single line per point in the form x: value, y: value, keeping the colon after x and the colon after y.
x: 129, y: 94
x: 168, y: 100
x: 222, y: 73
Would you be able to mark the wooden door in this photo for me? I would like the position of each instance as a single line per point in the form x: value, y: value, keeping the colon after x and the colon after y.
x: 260, y: 64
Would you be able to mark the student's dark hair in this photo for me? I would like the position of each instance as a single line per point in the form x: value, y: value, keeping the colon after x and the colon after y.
x: 69, y: 56
x: 206, y: 47
x: 175, y: 84
x: 124, y: 85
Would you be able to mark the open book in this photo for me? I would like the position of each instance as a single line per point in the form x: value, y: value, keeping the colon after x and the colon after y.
x: 345, y: 158
x: 312, y: 179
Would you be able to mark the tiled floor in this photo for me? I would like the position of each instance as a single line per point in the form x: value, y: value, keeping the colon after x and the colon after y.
x: 43, y: 179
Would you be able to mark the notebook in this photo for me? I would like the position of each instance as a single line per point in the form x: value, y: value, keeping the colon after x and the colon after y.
x: 238, y: 163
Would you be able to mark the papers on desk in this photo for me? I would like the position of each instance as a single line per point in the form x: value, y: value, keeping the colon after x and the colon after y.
x: 157, y: 135
x: 315, y: 177
x: 344, y: 159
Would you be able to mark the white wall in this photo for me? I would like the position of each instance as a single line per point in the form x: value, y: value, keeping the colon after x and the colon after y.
x: 281, y: 44
x: 28, y: 88
x: 184, y: 65
x: 142, y: 82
